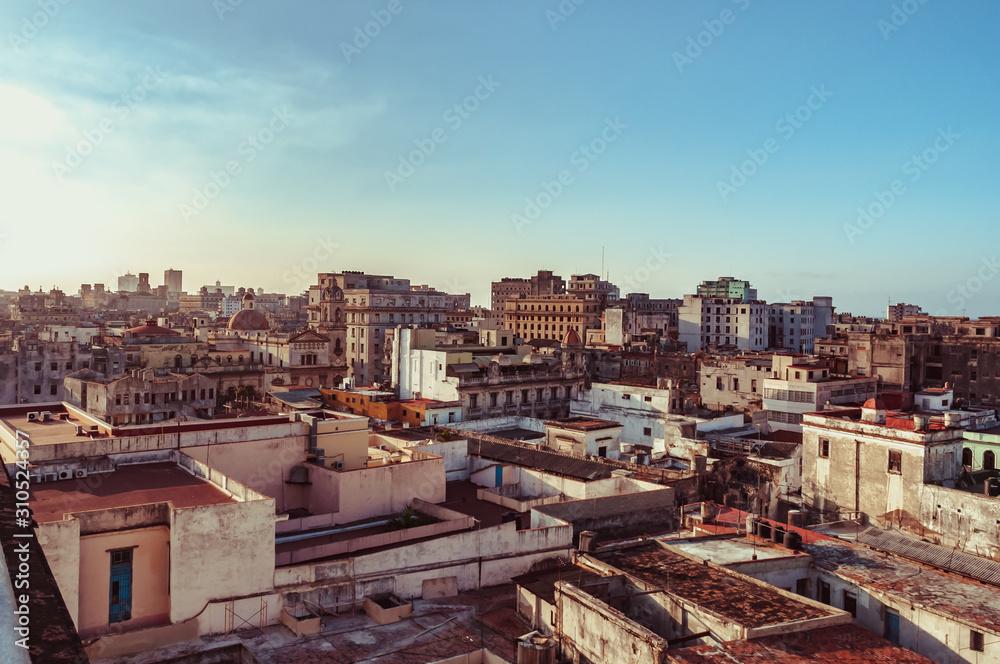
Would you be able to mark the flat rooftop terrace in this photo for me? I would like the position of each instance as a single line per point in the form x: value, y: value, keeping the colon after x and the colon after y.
x: 725, y: 594
x: 729, y: 550
x: 127, y: 486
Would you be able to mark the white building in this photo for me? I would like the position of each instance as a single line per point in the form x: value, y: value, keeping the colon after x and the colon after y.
x: 641, y: 410
x: 800, y: 388
x: 722, y: 321
x: 796, y: 325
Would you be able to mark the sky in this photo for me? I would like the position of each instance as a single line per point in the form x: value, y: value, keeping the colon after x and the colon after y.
x: 841, y: 148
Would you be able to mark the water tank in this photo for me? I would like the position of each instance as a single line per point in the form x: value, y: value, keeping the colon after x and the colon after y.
x: 991, y: 487
x: 534, y: 648
x: 763, y: 529
x: 796, y: 518
x: 793, y: 540
x: 777, y: 534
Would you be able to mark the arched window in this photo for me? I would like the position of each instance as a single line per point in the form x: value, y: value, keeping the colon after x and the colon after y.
x: 229, y: 359
x: 178, y: 360
x: 194, y: 358
x: 989, y: 461
x: 966, y: 457
x: 240, y: 359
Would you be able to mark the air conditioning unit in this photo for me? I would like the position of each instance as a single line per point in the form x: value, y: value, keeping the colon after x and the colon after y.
x: 79, y: 472
x: 63, y: 416
x: 36, y: 479
x: 79, y: 430
x: 94, y: 428
x: 338, y: 465
x: 51, y: 477
x: 46, y: 415
x: 34, y: 416
x: 65, y: 474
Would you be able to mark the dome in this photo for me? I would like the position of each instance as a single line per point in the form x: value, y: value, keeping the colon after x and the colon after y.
x: 151, y: 329
x: 874, y: 404
x: 572, y: 338
x: 248, y: 320
x: 533, y: 358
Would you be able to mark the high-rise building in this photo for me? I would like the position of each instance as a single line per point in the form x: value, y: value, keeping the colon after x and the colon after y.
x: 172, y: 279
x: 728, y: 288
x: 128, y: 283
x: 723, y: 322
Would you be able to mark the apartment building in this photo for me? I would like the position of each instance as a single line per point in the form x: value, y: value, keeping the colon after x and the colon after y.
x: 369, y: 305
x: 543, y: 283
x: 795, y: 326
x: 727, y: 288
x: 798, y: 387
x: 705, y: 321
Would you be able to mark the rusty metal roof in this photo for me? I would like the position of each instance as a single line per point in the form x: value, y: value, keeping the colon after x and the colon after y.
x: 953, y: 560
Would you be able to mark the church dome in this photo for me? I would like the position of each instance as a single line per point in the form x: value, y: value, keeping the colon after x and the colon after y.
x: 572, y: 338
x: 248, y: 319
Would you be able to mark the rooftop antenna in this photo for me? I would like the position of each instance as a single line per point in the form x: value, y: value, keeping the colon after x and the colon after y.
x: 602, y: 259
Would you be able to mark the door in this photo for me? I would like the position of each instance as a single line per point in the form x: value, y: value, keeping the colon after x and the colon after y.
x: 892, y: 626
x: 120, y: 600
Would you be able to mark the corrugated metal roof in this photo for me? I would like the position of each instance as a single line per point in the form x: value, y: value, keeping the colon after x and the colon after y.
x: 552, y: 462
x: 980, y: 569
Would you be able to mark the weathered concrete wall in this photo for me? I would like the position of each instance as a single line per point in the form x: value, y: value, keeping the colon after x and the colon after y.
x: 233, y: 545
x: 618, y: 517
x: 60, y: 541
x: 594, y: 630
x: 376, y: 491
x: 961, y: 519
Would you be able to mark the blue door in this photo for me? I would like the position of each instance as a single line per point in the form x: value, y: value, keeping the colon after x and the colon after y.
x: 120, y: 600
x: 892, y: 626
x: 499, y: 480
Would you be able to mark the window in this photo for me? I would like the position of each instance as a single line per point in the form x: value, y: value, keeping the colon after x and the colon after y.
x: 823, y: 591
x: 626, y: 396
x: 647, y: 399
x: 824, y: 448
x: 118, y: 399
x: 524, y: 396
x: 989, y: 460
x: 851, y: 603
x: 802, y: 587
x: 38, y: 389
x: 895, y: 462
x: 493, y: 398
x: 647, y: 431
x: 52, y: 390
x: 718, y: 384
x: 473, y: 401
x: 38, y: 366
x: 975, y: 640
x: 69, y: 366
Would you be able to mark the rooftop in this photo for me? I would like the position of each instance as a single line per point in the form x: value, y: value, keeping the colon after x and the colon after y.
x: 583, y: 424
x: 727, y: 550
x: 127, y: 486
x: 936, y: 591
x: 540, y: 459
x: 843, y: 644
x: 729, y: 595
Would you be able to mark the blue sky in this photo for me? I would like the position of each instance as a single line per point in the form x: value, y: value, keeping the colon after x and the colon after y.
x: 648, y: 111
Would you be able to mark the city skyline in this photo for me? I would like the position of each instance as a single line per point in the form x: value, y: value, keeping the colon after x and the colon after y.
x: 819, y: 150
